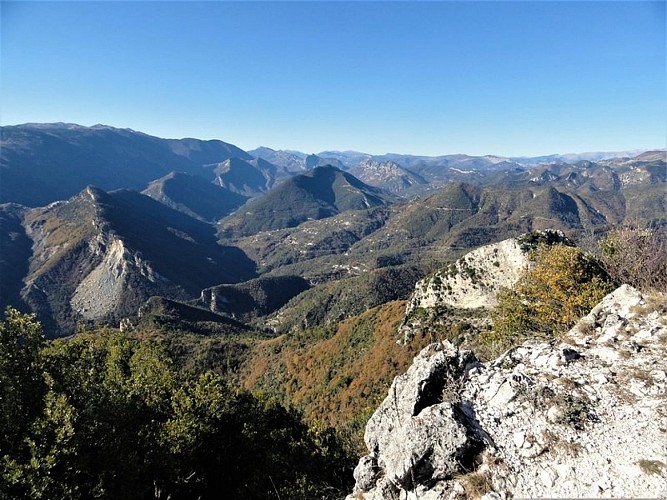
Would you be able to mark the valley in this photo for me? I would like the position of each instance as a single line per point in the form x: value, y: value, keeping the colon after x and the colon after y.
x: 306, y: 281
x: 99, y: 254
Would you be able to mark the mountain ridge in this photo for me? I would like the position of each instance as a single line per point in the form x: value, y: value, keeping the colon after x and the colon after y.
x: 194, y: 196
x: 98, y: 256
x: 42, y: 164
x: 319, y: 193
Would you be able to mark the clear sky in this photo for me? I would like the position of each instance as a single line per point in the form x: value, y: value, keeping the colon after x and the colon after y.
x: 507, y: 78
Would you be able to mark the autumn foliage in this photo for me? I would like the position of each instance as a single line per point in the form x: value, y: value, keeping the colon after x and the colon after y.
x: 562, y: 285
x: 106, y: 415
x: 637, y: 257
x: 336, y: 375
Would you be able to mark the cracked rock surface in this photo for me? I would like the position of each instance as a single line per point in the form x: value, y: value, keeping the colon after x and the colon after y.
x: 581, y: 416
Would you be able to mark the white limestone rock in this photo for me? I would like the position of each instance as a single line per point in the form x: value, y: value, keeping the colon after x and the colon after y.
x: 473, y: 281
x: 580, y: 417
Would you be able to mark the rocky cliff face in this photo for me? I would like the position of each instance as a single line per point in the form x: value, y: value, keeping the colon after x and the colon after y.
x: 82, y: 270
x: 473, y: 281
x: 388, y: 175
x: 99, y: 256
x: 120, y: 280
x: 582, y: 416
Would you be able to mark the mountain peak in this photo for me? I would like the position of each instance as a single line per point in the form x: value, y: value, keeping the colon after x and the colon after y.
x: 194, y: 196
x: 316, y: 194
x: 387, y: 174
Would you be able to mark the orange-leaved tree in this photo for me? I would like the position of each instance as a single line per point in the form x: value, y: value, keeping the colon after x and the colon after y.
x: 561, y: 286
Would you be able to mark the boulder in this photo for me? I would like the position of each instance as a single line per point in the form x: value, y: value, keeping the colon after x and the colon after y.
x: 579, y: 416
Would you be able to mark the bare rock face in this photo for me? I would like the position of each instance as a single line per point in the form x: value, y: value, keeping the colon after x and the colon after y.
x: 120, y: 273
x: 581, y: 416
x: 387, y: 175
x: 415, y: 436
x: 473, y: 281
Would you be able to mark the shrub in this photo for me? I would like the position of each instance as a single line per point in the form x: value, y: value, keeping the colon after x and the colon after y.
x: 547, y: 237
x: 637, y: 257
x: 561, y: 286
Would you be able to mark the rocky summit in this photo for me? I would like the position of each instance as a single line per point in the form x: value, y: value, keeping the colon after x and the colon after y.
x: 580, y: 416
x: 473, y: 281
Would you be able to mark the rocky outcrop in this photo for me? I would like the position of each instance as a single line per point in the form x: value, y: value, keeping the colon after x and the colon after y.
x: 415, y: 437
x: 120, y: 280
x: 254, y: 298
x: 581, y: 416
x: 473, y: 281
x: 388, y: 175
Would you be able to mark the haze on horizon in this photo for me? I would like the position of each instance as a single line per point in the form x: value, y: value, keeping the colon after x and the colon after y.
x: 428, y: 78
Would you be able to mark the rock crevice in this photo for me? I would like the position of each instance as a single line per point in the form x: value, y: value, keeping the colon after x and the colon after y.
x: 580, y: 416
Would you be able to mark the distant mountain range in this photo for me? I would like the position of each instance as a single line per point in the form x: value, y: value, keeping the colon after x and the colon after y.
x: 576, y: 157
x: 294, y: 161
x: 42, y: 163
x: 95, y: 221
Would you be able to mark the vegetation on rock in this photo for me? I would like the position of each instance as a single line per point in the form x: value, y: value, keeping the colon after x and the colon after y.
x: 563, y: 284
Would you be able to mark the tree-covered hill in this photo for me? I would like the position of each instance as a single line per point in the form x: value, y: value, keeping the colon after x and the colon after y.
x: 110, y: 416
x: 317, y: 194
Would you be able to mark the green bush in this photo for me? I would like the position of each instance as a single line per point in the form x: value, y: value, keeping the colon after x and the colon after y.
x: 562, y: 285
x: 108, y: 416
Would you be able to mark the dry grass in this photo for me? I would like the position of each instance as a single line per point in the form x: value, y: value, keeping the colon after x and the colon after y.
x: 624, y: 354
x: 553, y: 442
x: 642, y: 376
x: 451, y: 391
x: 623, y: 395
x: 476, y: 484
x: 651, y: 466
x: 566, y: 383
x: 586, y: 328
x: 653, y: 301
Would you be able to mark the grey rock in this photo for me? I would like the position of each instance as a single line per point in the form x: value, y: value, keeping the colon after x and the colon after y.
x: 414, y: 436
x: 426, y: 448
x: 561, y: 419
x: 421, y: 386
x: 366, y: 473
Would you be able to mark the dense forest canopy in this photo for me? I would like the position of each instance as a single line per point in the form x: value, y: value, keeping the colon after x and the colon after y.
x: 108, y: 416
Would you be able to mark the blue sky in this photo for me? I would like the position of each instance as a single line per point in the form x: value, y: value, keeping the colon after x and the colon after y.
x: 507, y: 78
